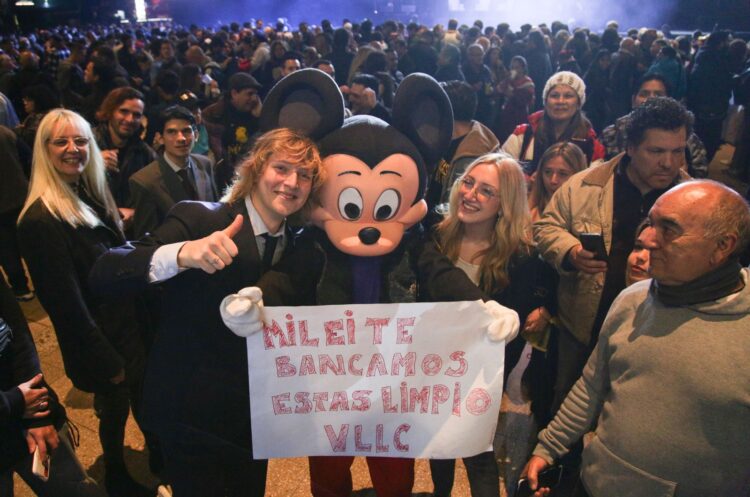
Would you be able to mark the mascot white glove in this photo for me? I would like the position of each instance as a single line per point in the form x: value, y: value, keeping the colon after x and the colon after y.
x: 505, y: 323
x: 243, y: 312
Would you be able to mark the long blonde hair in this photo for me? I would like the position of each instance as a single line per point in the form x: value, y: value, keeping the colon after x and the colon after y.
x: 511, y: 231
x: 46, y: 184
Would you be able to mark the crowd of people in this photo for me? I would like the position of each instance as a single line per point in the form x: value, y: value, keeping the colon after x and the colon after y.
x: 559, y: 137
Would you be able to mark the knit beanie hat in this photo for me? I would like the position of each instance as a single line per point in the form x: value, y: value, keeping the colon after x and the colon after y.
x: 569, y: 79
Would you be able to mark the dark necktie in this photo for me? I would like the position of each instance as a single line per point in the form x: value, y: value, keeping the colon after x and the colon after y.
x: 268, y: 251
x: 184, y: 175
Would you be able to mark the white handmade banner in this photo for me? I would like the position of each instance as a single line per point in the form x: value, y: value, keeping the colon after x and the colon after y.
x: 396, y: 380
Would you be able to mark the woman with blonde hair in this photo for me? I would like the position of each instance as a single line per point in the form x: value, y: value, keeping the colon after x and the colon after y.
x: 486, y: 233
x: 558, y: 163
x: 68, y: 220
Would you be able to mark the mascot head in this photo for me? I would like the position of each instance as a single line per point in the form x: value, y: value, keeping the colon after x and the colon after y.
x: 376, y: 173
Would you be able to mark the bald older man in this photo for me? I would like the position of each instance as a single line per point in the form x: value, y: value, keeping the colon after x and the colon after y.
x: 668, y: 384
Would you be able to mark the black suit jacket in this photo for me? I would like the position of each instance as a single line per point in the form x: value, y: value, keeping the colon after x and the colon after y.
x: 14, y: 184
x: 19, y: 363
x: 97, y: 339
x: 196, y: 388
x: 156, y: 188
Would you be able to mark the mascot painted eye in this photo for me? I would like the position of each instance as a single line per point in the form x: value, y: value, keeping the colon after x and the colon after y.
x: 350, y: 204
x: 387, y: 205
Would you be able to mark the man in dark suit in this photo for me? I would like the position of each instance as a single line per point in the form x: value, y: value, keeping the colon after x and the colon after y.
x: 175, y: 176
x: 196, y: 393
x: 13, y: 189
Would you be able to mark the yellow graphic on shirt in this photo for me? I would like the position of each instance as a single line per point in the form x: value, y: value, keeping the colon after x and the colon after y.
x: 240, y: 134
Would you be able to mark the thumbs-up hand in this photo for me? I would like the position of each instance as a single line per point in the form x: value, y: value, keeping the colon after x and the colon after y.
x: 212, y: 253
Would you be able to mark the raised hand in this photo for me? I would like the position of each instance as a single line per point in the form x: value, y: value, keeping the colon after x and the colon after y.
x: 242, y: 312
x: 212, y: 253
x: 110, y: 159
x: 506, y: 323
x: 583, y: 260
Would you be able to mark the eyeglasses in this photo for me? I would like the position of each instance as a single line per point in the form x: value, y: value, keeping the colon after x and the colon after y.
x: 482, y: 191
x: 78, y: 141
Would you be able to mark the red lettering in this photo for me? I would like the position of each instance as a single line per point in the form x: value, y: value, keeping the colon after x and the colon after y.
x: 401, y: 447
x: 304, y: 406
x: 340, y: 402
x: 419, y: 396
x: 273, y: 330
x: 331, y: 327
x: 338, y: 442
x: 385, y: 394
x: 379, y: 445
x: 457, y: 399
x: 408, y: 363
x: 291, y: 335
x: 318, y: 398
x: 284, y: 367
x: 431, y: 364
x: 377, y: 363
x: 358, y: 445
x: 350, y: 327
x: 478, y: 401
x: 307, y: 365
x: 377, y: 328
x: 278, y: 404
x: 352, y: 368
x: 361, y: 400
x: 326, y: 363
x: 402, y: 333
x: 440, y: 394
x: 303, y: 335
x: 463, y: 365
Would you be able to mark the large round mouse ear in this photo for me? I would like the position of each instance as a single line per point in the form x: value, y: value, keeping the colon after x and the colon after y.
x: 308, y: 101
x: 423, y: 112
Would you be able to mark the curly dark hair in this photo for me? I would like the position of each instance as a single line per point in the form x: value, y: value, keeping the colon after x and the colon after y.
x: 657, y: 112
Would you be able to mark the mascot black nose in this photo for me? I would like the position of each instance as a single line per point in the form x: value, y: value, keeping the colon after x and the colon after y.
x: 369, y: 236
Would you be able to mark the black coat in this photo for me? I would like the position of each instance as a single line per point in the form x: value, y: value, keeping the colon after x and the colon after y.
x: 18, y: 364
x: 97, y: 339
x: 131, y: 158
x: 14, y: 183
x: 196, y: 387
x: 533, y: 283
x: 317, y: 273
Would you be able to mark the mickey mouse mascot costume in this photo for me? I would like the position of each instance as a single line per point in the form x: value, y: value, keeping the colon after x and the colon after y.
x: 361, y: 249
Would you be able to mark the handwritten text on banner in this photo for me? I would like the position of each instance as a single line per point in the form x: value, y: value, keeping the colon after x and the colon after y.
x: 396, y: 380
